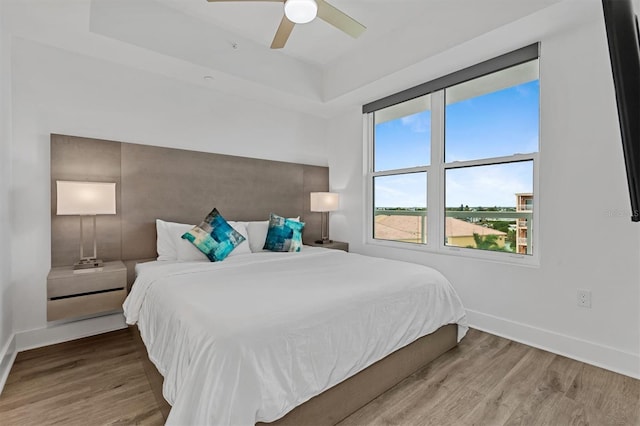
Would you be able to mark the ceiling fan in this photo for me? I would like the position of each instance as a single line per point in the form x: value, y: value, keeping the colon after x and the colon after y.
x: 303, y: 11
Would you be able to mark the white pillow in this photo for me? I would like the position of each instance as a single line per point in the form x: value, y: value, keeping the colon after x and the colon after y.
x: 169, y: 234
x: 258, y: 233
x: 243, y: 247
x: 171, y: 245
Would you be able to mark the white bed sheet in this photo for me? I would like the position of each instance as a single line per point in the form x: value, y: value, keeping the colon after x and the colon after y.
x: 250, y: 338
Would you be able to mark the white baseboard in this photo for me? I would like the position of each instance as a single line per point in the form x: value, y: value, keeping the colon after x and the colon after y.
x: 606, y: 357
x: 7, y: 356
x: 58, y: 333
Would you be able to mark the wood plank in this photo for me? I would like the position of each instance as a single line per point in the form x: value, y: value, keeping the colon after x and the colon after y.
x: 518, y: 384
x: 614, y: 397
x: 546, y: 407
x: 430, y: 386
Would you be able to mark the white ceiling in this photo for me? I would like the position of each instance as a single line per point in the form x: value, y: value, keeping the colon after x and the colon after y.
x: 188, y: 39
x: 252, y: 24
x: 317, y: 42
x: 234, y: 37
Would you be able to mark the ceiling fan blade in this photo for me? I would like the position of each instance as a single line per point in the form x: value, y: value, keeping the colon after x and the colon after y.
x: 339, y: 19
x: 283, y: 33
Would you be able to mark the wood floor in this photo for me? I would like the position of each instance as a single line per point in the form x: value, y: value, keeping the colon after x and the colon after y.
x: 93, y: 381
x: 486, y: 380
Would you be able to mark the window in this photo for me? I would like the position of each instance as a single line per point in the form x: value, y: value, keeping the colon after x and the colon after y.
x: 402, y: 153
x: 452, y: 162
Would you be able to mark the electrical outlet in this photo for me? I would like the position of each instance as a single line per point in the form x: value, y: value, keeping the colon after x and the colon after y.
x: 584, y: 298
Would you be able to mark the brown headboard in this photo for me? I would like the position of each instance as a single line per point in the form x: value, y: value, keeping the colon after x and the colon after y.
x: 174, y: 185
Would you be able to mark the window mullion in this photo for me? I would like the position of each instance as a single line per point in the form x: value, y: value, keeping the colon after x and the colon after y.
x: 368, y: 132
x: 435, y: 180
x: 368, y: 129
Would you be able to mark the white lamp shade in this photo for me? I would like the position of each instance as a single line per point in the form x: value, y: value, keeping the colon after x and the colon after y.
x: 300, y: 11
x: 85, y: 198
x: 324, y: 201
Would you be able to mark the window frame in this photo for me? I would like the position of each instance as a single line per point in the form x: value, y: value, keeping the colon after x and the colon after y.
x: 436, y: 170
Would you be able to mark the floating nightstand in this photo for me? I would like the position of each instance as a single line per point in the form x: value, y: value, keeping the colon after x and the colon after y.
x: 73, y: 293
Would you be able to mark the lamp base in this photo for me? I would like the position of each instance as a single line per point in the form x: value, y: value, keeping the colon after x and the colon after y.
x: 88, y: 263
x: 327, y: 241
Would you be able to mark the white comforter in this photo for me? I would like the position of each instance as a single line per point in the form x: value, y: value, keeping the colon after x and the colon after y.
x: 250, y: 338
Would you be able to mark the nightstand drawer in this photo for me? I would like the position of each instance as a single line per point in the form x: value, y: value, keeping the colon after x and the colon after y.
x: 89, y: 304
x: 66, y: 282
x: 84, y: 292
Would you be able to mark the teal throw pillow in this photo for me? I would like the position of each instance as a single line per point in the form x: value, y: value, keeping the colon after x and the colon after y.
x: 214, y: 237
x: 283, y: 234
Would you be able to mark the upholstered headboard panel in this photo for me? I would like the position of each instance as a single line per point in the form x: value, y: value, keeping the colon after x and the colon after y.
x: 173, y: 185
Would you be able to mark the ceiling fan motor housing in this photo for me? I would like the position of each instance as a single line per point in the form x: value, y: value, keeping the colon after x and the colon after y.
x: 300, y: 11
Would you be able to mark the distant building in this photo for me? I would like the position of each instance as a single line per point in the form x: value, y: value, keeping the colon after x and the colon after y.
x: 460, y: 233
x: 398, y: 227
x: 524, y: 203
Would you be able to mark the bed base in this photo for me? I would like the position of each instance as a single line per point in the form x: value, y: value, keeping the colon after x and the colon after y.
x: 345, y: 398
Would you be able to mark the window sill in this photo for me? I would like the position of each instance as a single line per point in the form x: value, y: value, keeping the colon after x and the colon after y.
x: 530, y: 261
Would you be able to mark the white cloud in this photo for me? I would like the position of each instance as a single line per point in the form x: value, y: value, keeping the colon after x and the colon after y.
x: 418, y: 123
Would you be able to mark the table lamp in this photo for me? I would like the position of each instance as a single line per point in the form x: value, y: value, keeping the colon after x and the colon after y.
x: 324, y: 202
x: 86, y: 199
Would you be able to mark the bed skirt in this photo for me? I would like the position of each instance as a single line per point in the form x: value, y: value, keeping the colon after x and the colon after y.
x: 347, y: 397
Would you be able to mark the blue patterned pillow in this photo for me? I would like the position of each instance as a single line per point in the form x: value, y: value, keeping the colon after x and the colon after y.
x: 214, y: 237
x: 283, y: 234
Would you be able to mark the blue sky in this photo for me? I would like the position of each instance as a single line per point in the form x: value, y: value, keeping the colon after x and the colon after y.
x: 501, y: 123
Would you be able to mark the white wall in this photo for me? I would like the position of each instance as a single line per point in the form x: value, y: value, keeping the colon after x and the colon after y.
x: 586, y: 237
x: 55, y: 91
x: 6, y: 299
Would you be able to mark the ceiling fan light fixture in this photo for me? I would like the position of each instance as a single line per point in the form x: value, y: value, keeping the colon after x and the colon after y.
x: 300, y: 11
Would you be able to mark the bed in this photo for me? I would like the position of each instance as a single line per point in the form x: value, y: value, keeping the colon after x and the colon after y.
x: 171, y: 302
x: 249, y: 339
